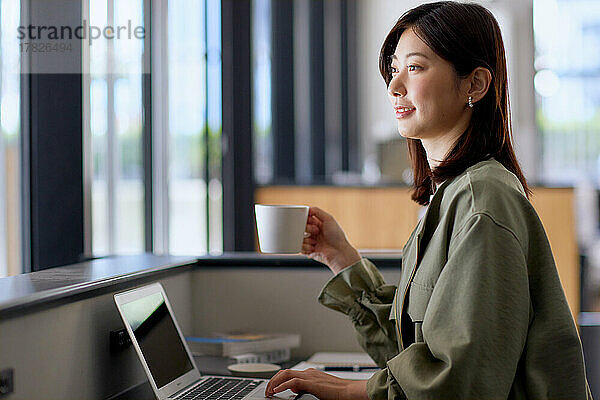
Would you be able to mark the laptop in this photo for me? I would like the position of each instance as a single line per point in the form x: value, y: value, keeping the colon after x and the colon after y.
x: 166, y: 358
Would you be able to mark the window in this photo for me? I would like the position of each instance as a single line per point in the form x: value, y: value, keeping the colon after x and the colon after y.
x: 304, y: 128
x: 567, y: 85
x: 194, y: 126
x: 187, y: 130
x: 187, y: 118
x: 10, y: 125
x: 184, y: 213
x: 115, y: 117
x: 261, y: 63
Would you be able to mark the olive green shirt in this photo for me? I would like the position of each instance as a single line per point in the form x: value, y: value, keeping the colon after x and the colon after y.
x: 479, y: 312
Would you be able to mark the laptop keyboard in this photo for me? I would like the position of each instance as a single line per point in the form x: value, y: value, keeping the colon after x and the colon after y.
x: 221, y: 389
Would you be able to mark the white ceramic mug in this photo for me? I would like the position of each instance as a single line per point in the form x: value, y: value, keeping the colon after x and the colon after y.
x: 280, y: 227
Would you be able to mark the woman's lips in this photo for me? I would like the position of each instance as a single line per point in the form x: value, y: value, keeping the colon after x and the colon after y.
x: 403, y: 112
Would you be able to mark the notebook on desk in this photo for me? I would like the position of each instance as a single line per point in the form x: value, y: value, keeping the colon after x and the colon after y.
x: 355, y: 366
x: 167, y: 361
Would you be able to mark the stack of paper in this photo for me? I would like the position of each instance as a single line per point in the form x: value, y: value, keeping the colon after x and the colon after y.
x: 234, y: 344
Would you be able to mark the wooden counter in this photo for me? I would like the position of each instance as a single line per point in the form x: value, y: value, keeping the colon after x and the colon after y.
x: 384, y: 217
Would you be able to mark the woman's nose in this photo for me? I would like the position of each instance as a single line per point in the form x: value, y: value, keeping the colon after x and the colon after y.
x: 396, y: 88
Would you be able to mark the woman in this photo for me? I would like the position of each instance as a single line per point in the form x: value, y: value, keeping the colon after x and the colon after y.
x: 479, y: 312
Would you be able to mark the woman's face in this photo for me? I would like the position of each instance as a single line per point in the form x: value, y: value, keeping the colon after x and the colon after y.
x: 424, y: 93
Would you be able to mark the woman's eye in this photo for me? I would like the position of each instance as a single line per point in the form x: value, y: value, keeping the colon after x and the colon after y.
x: 413, y: 67
x: 393, y: 70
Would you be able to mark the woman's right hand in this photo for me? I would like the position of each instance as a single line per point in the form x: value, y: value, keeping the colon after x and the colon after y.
x: 326, y: 241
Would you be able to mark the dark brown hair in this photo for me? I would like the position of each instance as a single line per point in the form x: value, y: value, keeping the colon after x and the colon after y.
x: 467, y: 36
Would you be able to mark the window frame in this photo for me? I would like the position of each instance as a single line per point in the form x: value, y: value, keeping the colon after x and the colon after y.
x: 237, y: 162
x: 52, y: 155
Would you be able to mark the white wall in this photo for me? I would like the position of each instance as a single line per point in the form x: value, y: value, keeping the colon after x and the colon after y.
x: 376, y: 119
x: 273, y: 300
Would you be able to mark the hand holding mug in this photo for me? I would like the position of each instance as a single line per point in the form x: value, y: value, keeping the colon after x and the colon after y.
x: 326, y: 242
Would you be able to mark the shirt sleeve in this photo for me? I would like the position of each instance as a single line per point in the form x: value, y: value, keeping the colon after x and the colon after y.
x: 360, y: 292
x: 475, y: 324
x: 383, y: 386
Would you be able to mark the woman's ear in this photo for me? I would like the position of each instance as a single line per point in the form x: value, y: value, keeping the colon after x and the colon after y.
x: 479, y: 83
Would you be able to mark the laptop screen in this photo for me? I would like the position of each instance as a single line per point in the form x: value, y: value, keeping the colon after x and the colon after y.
x: 157, y: 336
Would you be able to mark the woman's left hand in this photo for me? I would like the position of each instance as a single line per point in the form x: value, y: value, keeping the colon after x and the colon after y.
x: 318, y: 383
